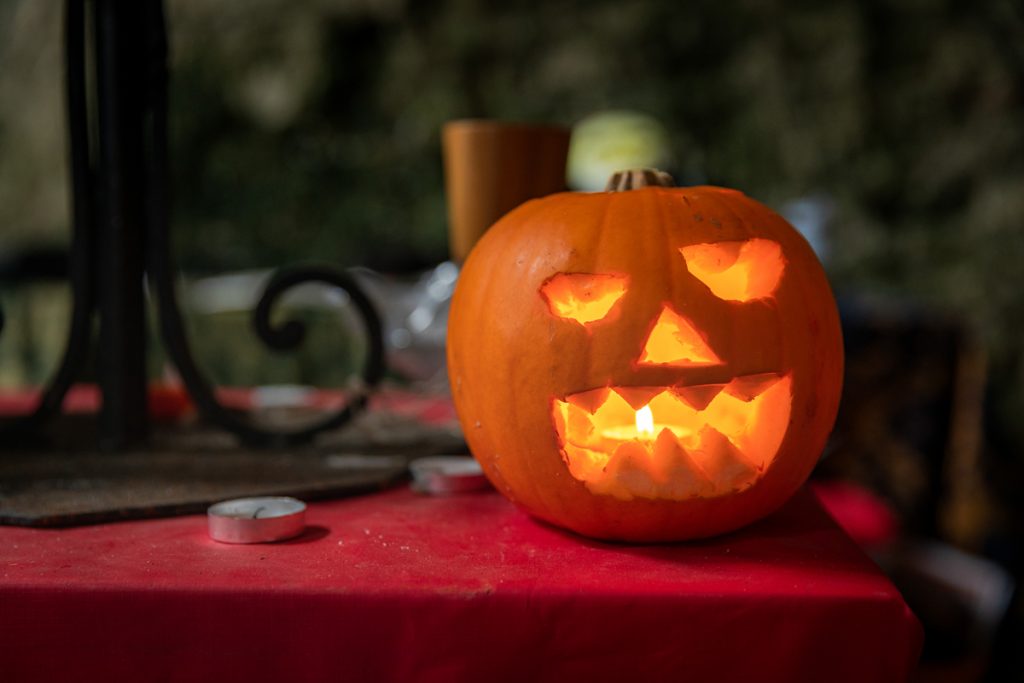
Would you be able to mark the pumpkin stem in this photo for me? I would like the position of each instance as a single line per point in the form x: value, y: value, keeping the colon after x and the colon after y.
x: 636, y: 178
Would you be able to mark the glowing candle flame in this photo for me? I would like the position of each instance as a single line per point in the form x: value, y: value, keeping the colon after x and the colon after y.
x: 645, y: 423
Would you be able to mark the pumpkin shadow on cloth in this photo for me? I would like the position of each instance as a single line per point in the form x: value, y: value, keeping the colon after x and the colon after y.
x: 800, y: 538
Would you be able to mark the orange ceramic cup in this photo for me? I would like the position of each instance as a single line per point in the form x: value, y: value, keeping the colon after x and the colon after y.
x: 491, y: 167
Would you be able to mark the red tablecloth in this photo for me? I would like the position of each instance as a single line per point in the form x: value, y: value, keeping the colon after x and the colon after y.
x: 398, y: 586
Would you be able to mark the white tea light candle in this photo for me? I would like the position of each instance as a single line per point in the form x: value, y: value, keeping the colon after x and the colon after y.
x: 256, y: 520
x: 445, y: 474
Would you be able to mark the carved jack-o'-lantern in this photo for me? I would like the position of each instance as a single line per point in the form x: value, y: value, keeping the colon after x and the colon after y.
x: 652, y: 364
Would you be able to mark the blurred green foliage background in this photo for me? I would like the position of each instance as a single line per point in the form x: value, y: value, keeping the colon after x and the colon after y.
x: 311, y: 129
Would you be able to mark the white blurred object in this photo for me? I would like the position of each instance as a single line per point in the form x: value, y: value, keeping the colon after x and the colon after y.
x: 447, y: 474
x: 812, y: 215
x: 985, y: 587
x: 610, y: 141
x: 414, y: 314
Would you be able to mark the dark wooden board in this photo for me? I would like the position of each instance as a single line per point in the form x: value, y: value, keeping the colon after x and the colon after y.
x: 185, y: 470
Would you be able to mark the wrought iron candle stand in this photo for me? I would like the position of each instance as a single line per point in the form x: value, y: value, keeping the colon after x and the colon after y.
x: 121, y: 240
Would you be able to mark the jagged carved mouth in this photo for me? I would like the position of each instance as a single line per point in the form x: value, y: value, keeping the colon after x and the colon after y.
x: 674, y: 443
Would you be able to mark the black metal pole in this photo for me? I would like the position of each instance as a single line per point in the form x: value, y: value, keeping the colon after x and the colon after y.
x: 121, y: 356
x: 81, y: 261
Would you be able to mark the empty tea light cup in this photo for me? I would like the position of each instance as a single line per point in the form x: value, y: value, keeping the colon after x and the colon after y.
x: 256, y: 520
x: 447, y: 474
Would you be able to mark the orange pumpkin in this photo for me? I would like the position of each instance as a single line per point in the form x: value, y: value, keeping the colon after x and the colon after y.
x: 648, y: 363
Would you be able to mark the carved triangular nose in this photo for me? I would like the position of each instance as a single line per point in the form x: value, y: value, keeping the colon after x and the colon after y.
x: 675, y: 340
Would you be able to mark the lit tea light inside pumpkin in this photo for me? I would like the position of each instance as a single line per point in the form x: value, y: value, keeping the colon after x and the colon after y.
x: 645, y: 423
x: 644, y: 432
x: 642, y: 429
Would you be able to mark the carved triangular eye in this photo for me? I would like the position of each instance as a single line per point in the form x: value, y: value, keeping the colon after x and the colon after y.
x: 583, y: 297
x: 675, y: 341
x: 737, y: 271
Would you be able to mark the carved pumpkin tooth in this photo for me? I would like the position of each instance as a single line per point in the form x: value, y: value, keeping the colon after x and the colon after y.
x: 579, y: 426
x: 591, y: 400
x: 687, y: 480
x: 717, y: 455
x: 630, y: 469
x: 638, y: 397
x: 749, y: 387
x: 666, y: 451
x: 765, y: 427
x: 614, y: 411
x: 584, y: 464
x: 678, y: 475
x: 698, y: 396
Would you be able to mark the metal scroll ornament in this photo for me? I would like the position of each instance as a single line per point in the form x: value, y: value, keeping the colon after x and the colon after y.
x: 121, y: 238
